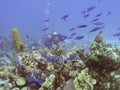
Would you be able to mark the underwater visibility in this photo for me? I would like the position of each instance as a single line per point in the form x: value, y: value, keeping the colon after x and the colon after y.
x: 59, y: 45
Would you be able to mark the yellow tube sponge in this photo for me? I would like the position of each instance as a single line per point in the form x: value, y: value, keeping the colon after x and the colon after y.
x: 17, y: 39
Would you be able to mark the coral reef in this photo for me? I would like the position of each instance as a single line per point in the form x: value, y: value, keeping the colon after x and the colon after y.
x: 53, y: 69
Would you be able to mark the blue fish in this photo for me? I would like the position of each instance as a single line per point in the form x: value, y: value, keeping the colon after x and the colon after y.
x: 34, y: 85
x: 98, y: 23
x: 95, y: 29
x: 27, y: 36
x: 70, y: 37
x: 62, y: 37
x: 47, y: 20
x: 50, y: 58
x: 73, y: 34
x: 119, y: 28
x: 57, y: 59
x: 65, y: 17
x: 17, y: 61
x: 79, y: 37
x: 48, y: 73
x: 86, y: 15
x: 7, y: 55
x: 0, y: 37
x: 94, y: 20
x: 100, y: 32
x: 38, y: 81
x: 45, y: 29
x: 119, y: 39
x: 44, y: 55
x: 48, y: 44
x: 100, y: 14
x: 103, y: 26
x: 35, y: 74
x: 29, y: 79
x: 109, y: 13
x: 90, y: 8
x: 82, y: 26
x: 116, y: 34
x: 73, y: 56
x: 72, y: 29
x: 83, y: 12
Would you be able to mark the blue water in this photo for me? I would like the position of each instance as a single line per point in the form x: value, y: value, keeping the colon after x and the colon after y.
x: 29, y: 15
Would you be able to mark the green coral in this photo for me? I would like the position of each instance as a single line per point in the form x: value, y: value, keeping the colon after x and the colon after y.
x: 6, y: 70
x: 48, y: 82
x: 83, y: 81
x: 21, y: 81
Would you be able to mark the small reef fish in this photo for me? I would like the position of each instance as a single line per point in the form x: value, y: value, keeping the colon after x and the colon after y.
x: 59, y: 37
x: 48, y: 44
x: 36, y: 74
x: 102, y: 26
x: 100, y: 32
x: 118, y: 28
x: 44, y: 55
x: 119, y: 39
x: 94, y: 20
x: 29, y: 79
x: 65, y: 17
x: 73, y: 34
x: 98, y: 23
x: 34, y: 81
x: 73, y: 56
x: 45, y: 29
x: 70, y: 37
x: 47, y: 20
x: 57, y: 59
x: 82, y: 26
x: 83, y: 12
x: 52, y: 58
x: 95, y: 29
x: 100, y: 14
x: 90, y: 8
x: 109, y: 13
x: 86, y: 15
x: 116, y: 34
x: 7, y: 54
x: 63, y: 37
x: 48, y: 73
x: 72, y: 29
x: 0, y: 37
x: 17, y: 61
x: 79, y: 37
x: 27, y: 36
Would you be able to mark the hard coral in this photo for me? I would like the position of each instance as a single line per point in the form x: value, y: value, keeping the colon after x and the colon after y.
x: 99, y: 39
x: 83, y: 81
